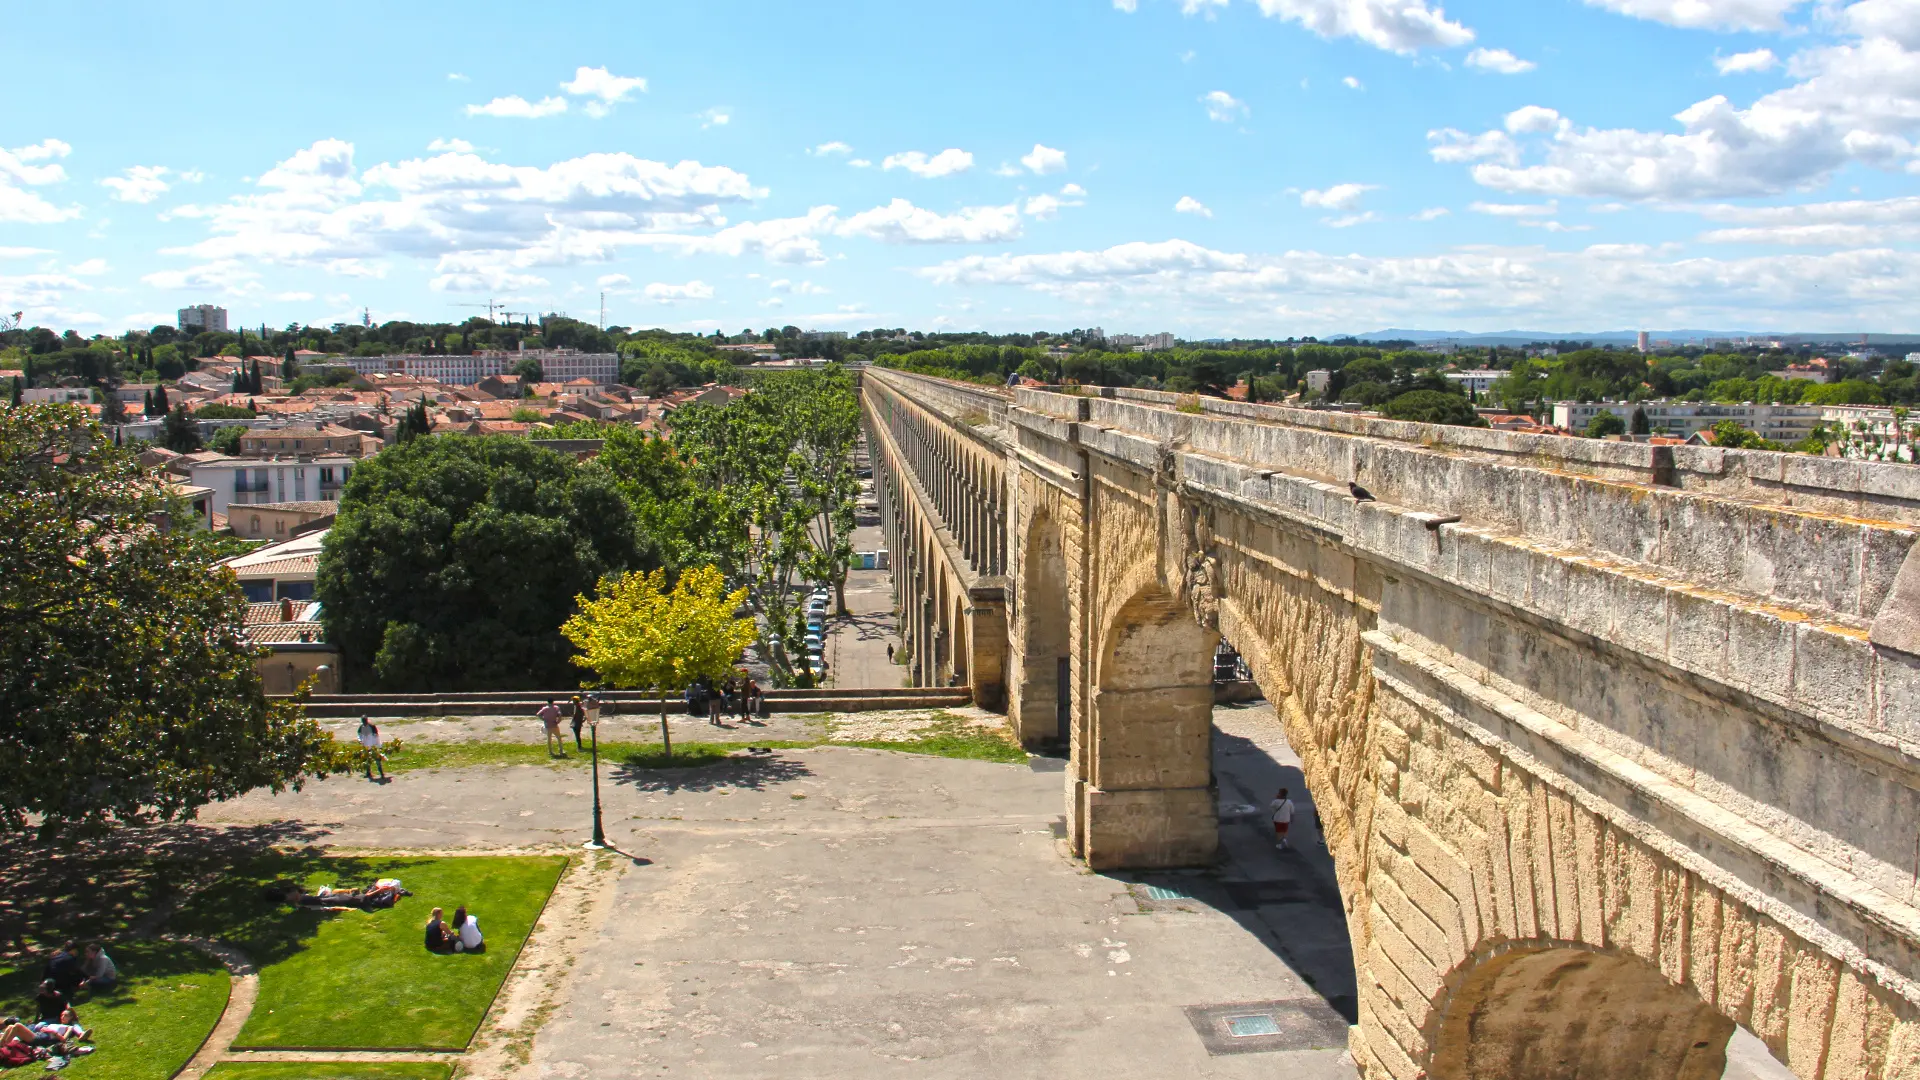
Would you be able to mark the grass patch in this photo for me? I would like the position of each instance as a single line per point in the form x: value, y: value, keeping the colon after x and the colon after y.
x: 639, y: 755
x: 332, y: 1070
x: 361, y: 978
x: 168, y: 1000
x: 952, y: 736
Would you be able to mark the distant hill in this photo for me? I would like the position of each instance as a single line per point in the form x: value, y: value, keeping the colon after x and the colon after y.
x: 1617, y: 337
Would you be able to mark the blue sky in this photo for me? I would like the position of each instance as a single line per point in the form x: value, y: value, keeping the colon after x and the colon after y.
x: 1210, y: 167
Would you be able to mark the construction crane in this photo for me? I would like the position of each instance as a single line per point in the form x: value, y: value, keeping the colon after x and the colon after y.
x: 512, y: 315
x: 491, y: 307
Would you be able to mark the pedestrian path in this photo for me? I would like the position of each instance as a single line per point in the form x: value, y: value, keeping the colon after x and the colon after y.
x: 857, y: 642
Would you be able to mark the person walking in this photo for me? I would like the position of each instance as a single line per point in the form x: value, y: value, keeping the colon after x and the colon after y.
x: 889, y: 652
x: 370, y: 743
x: 550, y: 719
x: 1282, y: 808
x: 579, y: 722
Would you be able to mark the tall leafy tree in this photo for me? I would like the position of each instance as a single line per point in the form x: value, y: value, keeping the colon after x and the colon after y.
x: 180, y: 433
x: 636, y: 635
x: 129, y: 693
x: 453, y: 562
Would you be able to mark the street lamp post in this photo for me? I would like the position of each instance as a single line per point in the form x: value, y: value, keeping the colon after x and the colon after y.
x: 599, y: 832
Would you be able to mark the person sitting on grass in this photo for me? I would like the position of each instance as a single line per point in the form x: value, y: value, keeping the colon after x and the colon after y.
x: 438, y: 940
x: 102, y: 974
x: 63, y: 967
x: 466, y: 931
x: 50, y: 1004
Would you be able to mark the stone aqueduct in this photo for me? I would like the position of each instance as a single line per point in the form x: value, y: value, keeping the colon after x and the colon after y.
x: 1616, y: 746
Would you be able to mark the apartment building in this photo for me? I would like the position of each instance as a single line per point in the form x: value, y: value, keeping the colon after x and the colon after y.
x: 303, y: 440
x: 559, y: 365
x: 201, y: 318
x: 237, y: 481
x: 1680, y: 419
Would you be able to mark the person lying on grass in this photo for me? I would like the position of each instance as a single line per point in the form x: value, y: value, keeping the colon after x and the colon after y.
x: 466, y: 932
x: 60, y: 1039
x: 381, y: 894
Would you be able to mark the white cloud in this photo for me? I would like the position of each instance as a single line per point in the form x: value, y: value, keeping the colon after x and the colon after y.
x: 1855, y: 101
x: 1128, y: 6
x: 1852, y: 223
x: 1224, y: 107
x: 1073, y: 191
x: 1532, y: 120
x: 1741, y: 63
x: 1190, y: 205
x: 861, y: 163
x: 1499, y: 61
x: 1337, y: 197
x: 661, y: 292
x: 1486, y: 287
x: 457, y: 146
x: 89, y: 268
x: 1401, y: 26
x: 1197, y: 7
x: 454, y: 76
x: 606, y: 88
x: 293, y: 297
x: 1353, y: 83
x: 1349, y: 220
x: 901, y: 222
x: 1553, y: 226
x: 1707, y: 14
x: 796, y: 288
x: 226, y: 276
x: 827, y: 148
x: 1453, y: 145
x: 17, y: 204
x: 141, y: 184
x: 22, y: 252
x: 1045, y: 159
x: 516, y: 107
x: 1516, y: 210
x: 945, y: 163
x: 718, y: 116
x: 612, y: 281
x: 1042, y: 206
x: 1432, y: 213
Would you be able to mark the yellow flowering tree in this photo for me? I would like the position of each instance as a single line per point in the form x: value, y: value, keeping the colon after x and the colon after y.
x: 638, y: 635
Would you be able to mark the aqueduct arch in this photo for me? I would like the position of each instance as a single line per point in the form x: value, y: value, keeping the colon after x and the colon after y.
x: 1576, y: 714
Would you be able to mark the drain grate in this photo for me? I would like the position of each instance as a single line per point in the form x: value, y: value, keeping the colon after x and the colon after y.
x: 1241, y: 1027
x: 1161, y: 892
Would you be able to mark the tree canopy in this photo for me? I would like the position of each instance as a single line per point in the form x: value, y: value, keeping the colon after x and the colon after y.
x: 129, y: 693
x: 454, y: 561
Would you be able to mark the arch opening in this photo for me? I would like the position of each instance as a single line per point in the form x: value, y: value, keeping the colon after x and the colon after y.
x: 1567, y: 1012
x: 1150, y: 795
x: 1043, y: 705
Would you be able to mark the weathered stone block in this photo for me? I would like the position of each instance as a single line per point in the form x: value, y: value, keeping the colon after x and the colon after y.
x: 1148, y: 829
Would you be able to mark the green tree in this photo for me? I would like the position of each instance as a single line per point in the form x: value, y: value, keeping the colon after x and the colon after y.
x: 638, y: 636
x: 1728, y: 434
x: 1639, y: 424
x: 179, y: 433
x: 226, y: 440
x: 530, y: 371
x: 454, y: 561
x: 129, y: 693
x: 1433, y: 407
x: 217, y: 411
x: 1605, y: 424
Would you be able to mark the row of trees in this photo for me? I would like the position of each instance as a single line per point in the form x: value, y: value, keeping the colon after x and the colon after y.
x: 454, y: 561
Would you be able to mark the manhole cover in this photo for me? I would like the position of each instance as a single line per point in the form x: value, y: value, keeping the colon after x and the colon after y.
x: 1241, y: 1027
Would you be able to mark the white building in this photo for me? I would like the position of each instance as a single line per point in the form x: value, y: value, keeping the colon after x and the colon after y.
x: 240, y: 481
x: 557, y: 365
x: 1318, y: 380
x: 1157, y: 342
x: 201, y: 318
x: 1642, y: 341
x: 56, y: 395
x: 1477, y: 381
x: 1680, y: 419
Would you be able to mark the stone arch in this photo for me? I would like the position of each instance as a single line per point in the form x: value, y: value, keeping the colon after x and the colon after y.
x: 1561, y: 1010
x: 1150, y: 799
x: 1043, y: 637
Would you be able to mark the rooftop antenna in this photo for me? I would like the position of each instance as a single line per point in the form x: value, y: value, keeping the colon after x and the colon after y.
x: 366, y: 318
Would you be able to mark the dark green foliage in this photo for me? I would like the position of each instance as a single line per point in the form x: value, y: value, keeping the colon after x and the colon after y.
x: 454, y: 561
x: 180, y: 433
x: 218, y: 411
x: 226, y: 440
x: 129, y: 692
x: 1639, y: 425
x: 1605, y: 424
x: 1433, y: 407
x: 1731, y: 436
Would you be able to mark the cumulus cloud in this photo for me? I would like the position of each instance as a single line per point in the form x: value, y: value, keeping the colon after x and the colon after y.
x: 18, y: 173
x: 1516, y: 210
x: 1499, y: 61
x: 1128, y: 6
x: 458, y: 146
x: 945, y: 163
x: 664, y: 293
x: 718, y: 116
x: 1707, y: 14
x: 513, y: 106
x: 1190, y: 205
x: 1600, y: 285
x: 1851, y: 223
x: 1353, y: 83
x: 606, y: 88
x: 613, y: 281
x: 901, y: 222
x: 1432, y: 213
x: 1224, y: 107
x: 139, y: 183
x: 1740, y: 63
x: 1400, y: 26
x: 826, y: 149
x: 1045, y: 159
x: 1852, y: 101
x: 1337, y: 197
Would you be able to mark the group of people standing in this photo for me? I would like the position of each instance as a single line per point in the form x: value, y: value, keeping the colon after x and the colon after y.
x: 581, y: 711
x: 737, y: 694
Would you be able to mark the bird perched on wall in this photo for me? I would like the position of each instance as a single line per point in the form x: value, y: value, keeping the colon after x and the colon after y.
x: 1360, y: 494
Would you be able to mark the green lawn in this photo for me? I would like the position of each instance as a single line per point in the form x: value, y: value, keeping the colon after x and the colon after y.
x: 170, y: 998
x: 362, y: 979
x: 327, y: 1070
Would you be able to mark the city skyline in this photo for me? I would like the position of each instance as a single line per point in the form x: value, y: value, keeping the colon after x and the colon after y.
x: 1212, y: 168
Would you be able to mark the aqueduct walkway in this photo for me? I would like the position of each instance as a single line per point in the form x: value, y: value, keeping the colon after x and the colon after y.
x: 1617, y: 746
